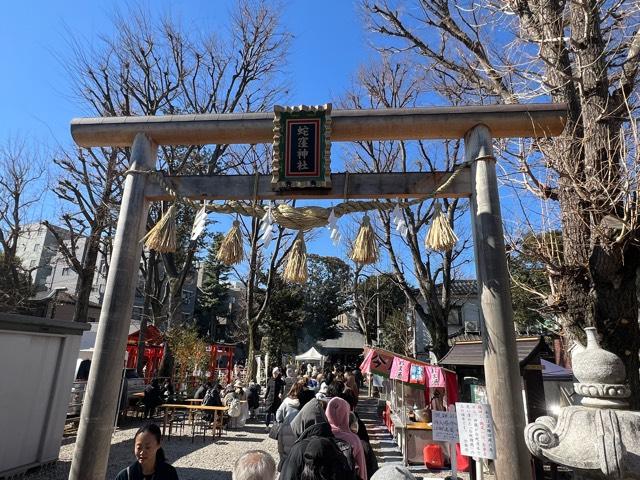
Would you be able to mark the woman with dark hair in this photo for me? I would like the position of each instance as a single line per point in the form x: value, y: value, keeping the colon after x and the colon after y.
x: 150, y: 461
x: 291, y: 404
x: 319, y: 461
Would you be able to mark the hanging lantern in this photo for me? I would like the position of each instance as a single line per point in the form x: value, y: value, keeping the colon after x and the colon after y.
x: 441, y: 236
x: 296, y: 268
x: 162, y: 237
x: 365, y: 248
x: 231, y: 249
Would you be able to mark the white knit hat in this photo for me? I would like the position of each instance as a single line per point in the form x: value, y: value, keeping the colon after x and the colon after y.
x: 393, y: 472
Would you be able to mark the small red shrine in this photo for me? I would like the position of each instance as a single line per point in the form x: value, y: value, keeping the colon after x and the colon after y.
x: 220, y: 361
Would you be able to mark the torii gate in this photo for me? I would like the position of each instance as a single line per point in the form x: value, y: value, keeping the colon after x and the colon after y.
x: 476, y: 125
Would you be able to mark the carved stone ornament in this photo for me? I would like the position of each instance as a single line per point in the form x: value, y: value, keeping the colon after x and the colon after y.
x: 598, y: 439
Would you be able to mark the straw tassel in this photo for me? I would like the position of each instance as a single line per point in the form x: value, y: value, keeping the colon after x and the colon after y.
x: 231, y: 249
x: 162, y: 237
x: 441, y: 236
x: 365, y: 248
x: 296, y: 269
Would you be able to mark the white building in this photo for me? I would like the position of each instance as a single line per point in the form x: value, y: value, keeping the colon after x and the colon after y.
x: 464, y: 317
x: 38, y: 249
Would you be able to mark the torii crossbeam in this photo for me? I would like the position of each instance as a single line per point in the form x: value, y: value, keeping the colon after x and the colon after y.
x: 476, y: 125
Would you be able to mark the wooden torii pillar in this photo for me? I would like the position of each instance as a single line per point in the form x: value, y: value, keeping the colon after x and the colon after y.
x: 475, y: 124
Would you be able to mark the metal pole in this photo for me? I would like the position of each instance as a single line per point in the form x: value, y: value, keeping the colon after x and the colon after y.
x: 95, y: 428
x: 501, y: 366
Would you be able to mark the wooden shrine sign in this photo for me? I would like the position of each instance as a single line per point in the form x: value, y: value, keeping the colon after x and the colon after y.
x: 301, y: 147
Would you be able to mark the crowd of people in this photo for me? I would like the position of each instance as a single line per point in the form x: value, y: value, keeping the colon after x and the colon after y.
x: 312, y: 415
x: 318, y: 431
x: 150, y: 461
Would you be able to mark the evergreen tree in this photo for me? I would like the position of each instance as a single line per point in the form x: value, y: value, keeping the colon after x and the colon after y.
x: 326, y: 296
x: 213, y: 296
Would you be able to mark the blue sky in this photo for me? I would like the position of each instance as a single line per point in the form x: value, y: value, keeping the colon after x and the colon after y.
x: 329, y: 44
x: 34, y: 90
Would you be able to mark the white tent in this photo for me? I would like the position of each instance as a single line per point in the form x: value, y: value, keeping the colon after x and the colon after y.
x: 311, y: 355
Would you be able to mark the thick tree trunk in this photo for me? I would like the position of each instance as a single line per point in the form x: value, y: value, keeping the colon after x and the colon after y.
x: 616, y: 309
x: 85, y: 280
x: 165, y: 369
x: 175, y: 316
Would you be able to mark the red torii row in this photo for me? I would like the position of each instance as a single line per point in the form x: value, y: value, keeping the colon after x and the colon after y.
x: 154, y: 350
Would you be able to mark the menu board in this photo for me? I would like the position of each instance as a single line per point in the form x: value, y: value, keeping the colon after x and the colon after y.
x: 475, y: 427
x: 444, y: 426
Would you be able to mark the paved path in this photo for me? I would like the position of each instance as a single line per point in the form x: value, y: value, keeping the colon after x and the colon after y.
x: 383, y: 444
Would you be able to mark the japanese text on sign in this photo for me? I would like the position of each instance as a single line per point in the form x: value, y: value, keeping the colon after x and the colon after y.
x: 302, y: 155
x: 444, y: 426
x: 475, y: 427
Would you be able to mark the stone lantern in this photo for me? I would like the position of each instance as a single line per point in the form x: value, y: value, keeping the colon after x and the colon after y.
x: 601, y: 438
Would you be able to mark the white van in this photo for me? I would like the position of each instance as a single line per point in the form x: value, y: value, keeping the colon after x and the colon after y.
x: 135, y: 384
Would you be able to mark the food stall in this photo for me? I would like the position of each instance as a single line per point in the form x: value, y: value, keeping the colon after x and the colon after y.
x: 411, y: 389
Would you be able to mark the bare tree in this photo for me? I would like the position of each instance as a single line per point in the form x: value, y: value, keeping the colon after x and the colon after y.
x: 393, y: 85
x: 156, y: 67
x: 261, y: 266
x: 90, y: 185
x: 20, y: 172
x: 581, y: 52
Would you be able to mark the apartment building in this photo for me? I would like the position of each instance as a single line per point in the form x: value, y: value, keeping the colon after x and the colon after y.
x: 56, y: 281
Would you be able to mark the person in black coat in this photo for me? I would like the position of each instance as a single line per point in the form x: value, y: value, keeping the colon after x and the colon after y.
x: 315, y: 453
x: 272, y: 397
x: 202, y: 390
x: 150, y: 460
x: 152, y: 398
x: 253, y: 398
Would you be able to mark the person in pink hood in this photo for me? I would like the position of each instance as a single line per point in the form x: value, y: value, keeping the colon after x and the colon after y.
x: 337, y: 413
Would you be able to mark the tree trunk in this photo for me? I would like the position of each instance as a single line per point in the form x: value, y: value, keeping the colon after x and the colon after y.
x: 165, y: 369
x: 142, y: 335
x: 85, y: 280
x: 175, y: 316
x: 616, y: 309
x: 439, y: 336
x: 251, y: 347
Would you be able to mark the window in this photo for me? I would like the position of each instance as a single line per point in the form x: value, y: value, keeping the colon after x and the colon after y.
x: 455, y: 316
x: 32, y: 263
x: 36, y: 246
x: 65, y: 271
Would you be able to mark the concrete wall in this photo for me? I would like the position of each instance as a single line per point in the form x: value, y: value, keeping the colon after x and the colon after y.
x: 37, y: 361
x: 36, y: 248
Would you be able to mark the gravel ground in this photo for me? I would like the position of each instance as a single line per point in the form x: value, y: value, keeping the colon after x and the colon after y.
x: 193, y: 461
x: 214, y: 461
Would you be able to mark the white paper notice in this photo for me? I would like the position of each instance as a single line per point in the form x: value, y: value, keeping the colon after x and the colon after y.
x: 475, y: 427
x: 444, y: 426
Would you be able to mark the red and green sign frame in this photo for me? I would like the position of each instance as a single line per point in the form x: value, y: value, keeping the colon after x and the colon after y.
x: 301, y: 147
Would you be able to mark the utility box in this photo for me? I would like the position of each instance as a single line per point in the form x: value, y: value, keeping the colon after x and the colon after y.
x: 37, y: 363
